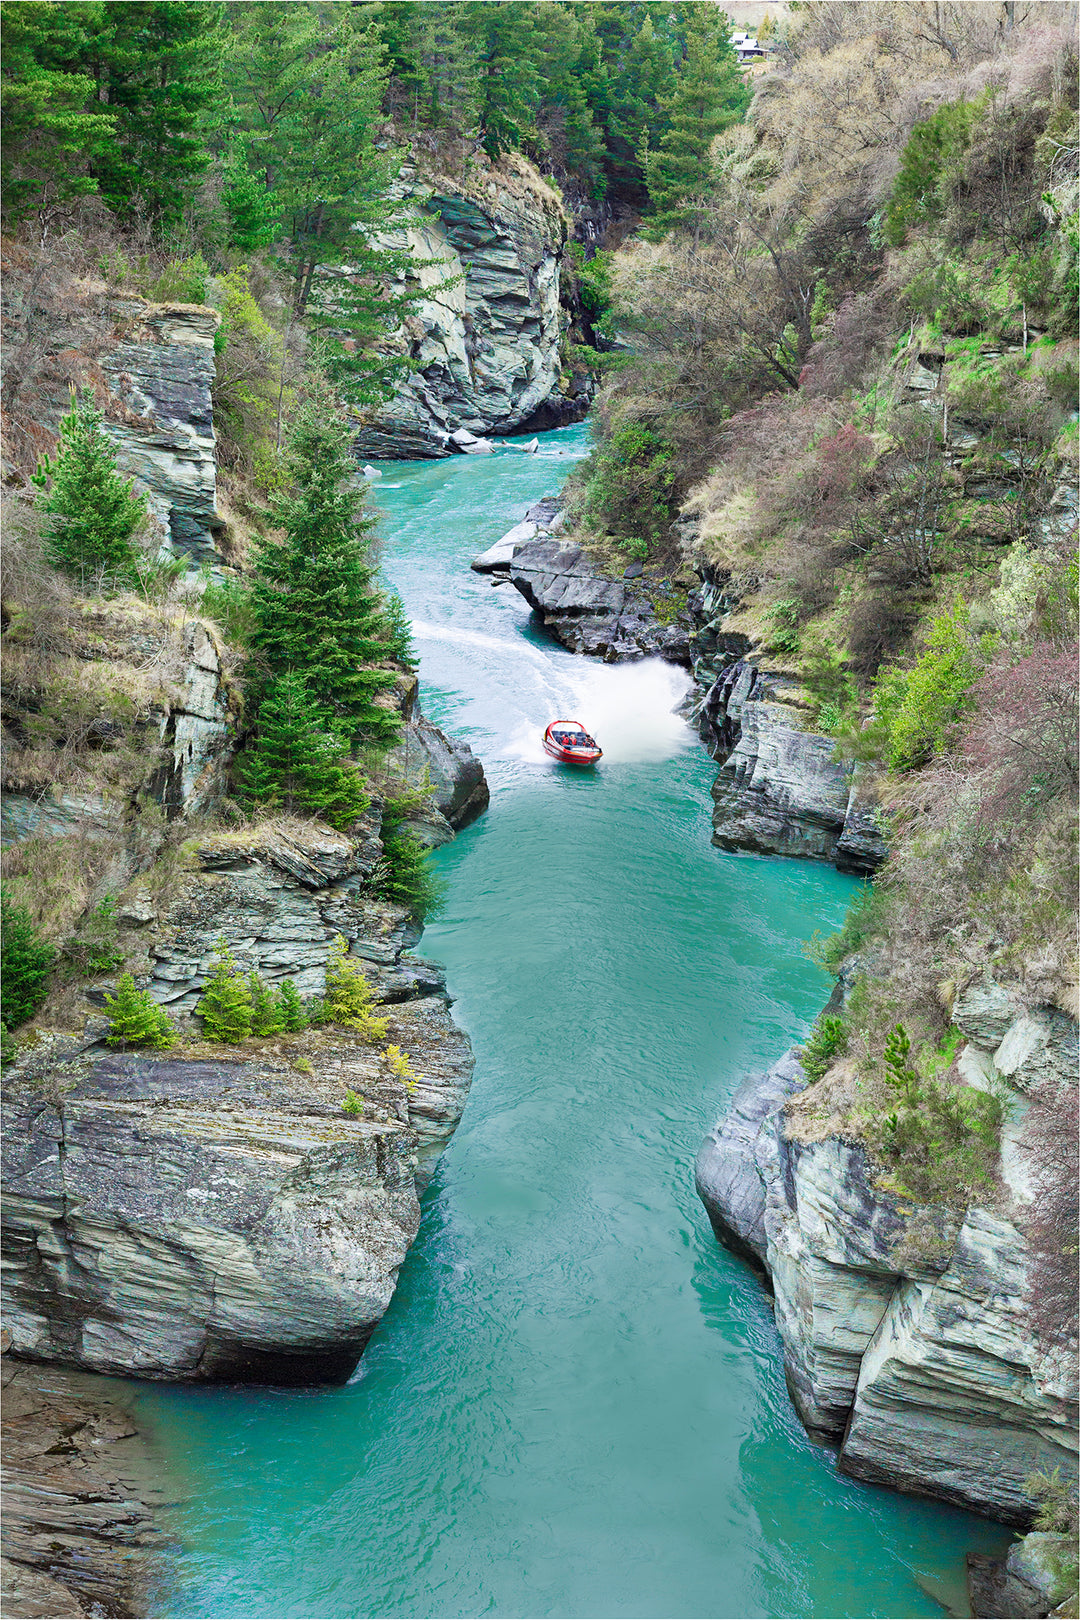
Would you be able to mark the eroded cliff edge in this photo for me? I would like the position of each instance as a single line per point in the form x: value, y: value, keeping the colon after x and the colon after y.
x: 907, y: 1328
x: 484, y: 340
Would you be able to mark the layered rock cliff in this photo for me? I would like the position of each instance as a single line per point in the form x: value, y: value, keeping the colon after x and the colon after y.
x: 150, y: 368
x: 483, y: 340
x: 907, y: 1329
x: 213, y: 1212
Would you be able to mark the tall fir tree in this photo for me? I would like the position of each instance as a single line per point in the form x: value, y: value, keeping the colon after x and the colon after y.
x: 306, y: 106
x: 156, y: 63
x: 508, y: 74
x: 710, y: 93
x: 52, y: 129
x: 93, y: 514
x: 317, y: 609
x: 295, y: 760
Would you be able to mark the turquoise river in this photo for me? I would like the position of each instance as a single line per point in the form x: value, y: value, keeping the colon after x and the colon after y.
x: 575, y: 1404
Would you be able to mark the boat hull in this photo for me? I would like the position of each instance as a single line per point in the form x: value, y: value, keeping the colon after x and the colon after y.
x: 572, y: 756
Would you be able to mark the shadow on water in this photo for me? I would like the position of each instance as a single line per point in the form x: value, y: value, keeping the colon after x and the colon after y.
x: 574, y: 1405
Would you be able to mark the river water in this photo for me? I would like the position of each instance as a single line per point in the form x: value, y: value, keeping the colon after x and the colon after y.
x: 575, y: 1404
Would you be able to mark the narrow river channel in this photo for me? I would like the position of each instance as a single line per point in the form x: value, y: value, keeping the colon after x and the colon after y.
x: 575, y: 1404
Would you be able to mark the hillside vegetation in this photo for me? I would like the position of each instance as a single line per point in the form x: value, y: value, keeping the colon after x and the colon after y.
x: 848, y: 392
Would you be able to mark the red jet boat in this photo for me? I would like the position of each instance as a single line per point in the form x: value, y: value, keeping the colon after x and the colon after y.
x: 569, y: 742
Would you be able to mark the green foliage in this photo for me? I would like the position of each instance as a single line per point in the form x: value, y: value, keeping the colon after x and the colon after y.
x: 306, y: 88
x: 353, y: 1104
x: 227, y: 601
x: 405, y: 873
x: 183, y: 281
x: 136, y: 1019
x: 296, y: 760
x: 54, y: 125
x: 933, y: 156
x: 93, y: 514
x: 919, y: 710
x: 26, y: 963
x: 226, y: 1006
x: 349, y: 997
x: 399, y: 631
x: 594, y: 286
x: 831, y: 686
x: 266, y: 1010
x: 1057, y: 1516
x: 316, y: 607
x: 630, y: 487
x: 784, y: 616
x: 826, y: 1041
x: 710, y: 94
x: 398, y: 1065
x: 865, y: 920
x: 942, y: 1138
x: 291, y: 1010
x: 94, y: 948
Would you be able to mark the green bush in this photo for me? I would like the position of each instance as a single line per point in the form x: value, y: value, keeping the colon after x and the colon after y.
x: 932, y: 157
x: 136, y: 1018
x: 826, y: 1041
x: 94, y: 948
x: 226, y: 1006
x: 405, y: 872
x: 630, y: 488
x: 294, y: 1017
x: 865, y: 919
x: 920, y: 709
x: 349, y: 997
x: 942, y: 1139
x: 266, y: 1014
x: 183, y: 281
x: 26, y: 961
x: 353, y: 1105
x: 228, y: 602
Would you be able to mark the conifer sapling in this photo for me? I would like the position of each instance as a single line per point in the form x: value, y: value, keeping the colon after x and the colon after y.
x: 136, y: 1018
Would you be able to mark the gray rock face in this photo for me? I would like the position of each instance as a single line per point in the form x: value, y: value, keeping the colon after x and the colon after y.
x: 212, y: 1220
x: 605, y: 618
x: 727, y: 1175
x: 906, y: 1329
x: 77, y: 1539
x: 160, y: 377
x: 483, y: 343
x: 187, y: 742
x: 780, y: 790
x: 444, y: 766
x: 217, y: 1215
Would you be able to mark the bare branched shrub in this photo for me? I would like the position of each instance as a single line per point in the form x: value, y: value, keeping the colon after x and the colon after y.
x: 1051, y: 1135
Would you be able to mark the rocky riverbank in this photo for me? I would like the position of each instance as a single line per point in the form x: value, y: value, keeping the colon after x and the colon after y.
x: 907, y: 1333
x: 79, y: 1535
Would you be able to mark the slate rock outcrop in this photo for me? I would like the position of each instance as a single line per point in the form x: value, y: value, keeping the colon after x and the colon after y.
x: 612, y: 619
x: 906, y: 1328
x: 77, y: 1536
x: 483, y: 340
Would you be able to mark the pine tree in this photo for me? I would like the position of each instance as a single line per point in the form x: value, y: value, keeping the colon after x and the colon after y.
x: 157, y: 67
x: 316, y: 608
x: 291, y: 1009
x: 506, y: 49
x: 136, y: 1018
x: 266, y: 1016
x: 307, y: 104
x: 94, y: 514
x: 26, y: 961
x: 52, y: 127
x: 709, y: 95
x: 349, y: 996
x: 225, y: 1006
x: 399, y: 627
x: 296, y: 760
